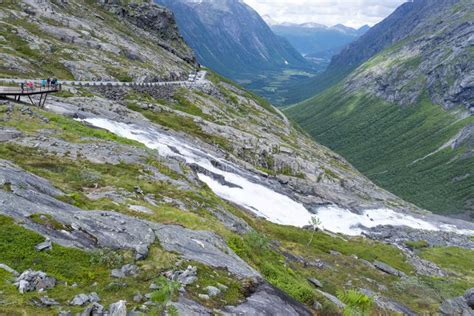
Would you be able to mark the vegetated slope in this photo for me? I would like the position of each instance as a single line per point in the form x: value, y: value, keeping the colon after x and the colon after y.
x: 407, y: 20
x: 232, y: 39
x: 404, y: 118
x: 106, y: 201
x: 318, y: 43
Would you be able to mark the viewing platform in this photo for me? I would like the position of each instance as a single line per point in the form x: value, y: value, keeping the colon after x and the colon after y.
x: 18, y: 92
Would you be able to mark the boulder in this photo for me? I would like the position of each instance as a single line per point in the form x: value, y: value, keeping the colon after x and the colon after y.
x: 34, y: 281
x: 118, y: 309
x: 469, y: 297
x: 388, y: 269
x: 141, y: 252
x: 94, y: 309
x: 8, y: 269
x: 212, y: 291
x: 315, y: 282
x: 333, y: 299
x: 125, y: 271
x: 456, y: 306
x: 82, y: 299
x: 44, y: 301
x: 184, y: 277
x: 46, y: 245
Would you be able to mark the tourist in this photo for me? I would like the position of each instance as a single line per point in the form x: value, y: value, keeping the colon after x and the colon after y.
x: 48, y: 82
x: 43, y: 83
x: 22, y: 87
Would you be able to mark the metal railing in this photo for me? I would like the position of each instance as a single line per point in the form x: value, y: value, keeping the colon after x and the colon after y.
x: 36, y: 88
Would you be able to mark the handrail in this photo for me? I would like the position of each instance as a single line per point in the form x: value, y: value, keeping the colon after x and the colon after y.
x: 36, y: 88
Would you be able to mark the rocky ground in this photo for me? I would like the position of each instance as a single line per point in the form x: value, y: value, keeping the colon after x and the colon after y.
x: 94, y: 223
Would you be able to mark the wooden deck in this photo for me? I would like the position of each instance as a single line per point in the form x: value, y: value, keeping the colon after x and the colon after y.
x: 18, y: 92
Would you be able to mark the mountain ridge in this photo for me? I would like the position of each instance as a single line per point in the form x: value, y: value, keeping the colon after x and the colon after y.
x: 408, y: 108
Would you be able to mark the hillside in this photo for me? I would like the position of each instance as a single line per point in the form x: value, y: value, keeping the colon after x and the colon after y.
x: 404, y: 117
x: 232, y: 39
x: 318, y: 43
x: 189, y: 198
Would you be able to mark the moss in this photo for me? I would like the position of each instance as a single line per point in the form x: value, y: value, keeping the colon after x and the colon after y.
x: 233, y: 292
x: 48, y: 221
x: 184, y: 124
x: 418, y: 244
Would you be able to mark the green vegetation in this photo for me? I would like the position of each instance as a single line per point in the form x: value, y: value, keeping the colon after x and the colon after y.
x: 419, y: 244
x: 233, y: 291
x: 357, y: 303
x: 167, y: 290
x: 182, y: 123
x: 392, y: 145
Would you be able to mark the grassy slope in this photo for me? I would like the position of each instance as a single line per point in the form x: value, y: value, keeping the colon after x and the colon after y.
x: 256, y: 248
x: 383, y: 140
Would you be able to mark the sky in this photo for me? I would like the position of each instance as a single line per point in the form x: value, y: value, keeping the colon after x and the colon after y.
x: 353, y: 13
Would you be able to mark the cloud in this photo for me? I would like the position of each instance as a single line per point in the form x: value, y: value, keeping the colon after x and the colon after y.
x: 353, y: 13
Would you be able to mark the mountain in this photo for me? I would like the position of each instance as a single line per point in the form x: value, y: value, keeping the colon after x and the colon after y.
x: 317, y: 42
x: 231, y: 38
x: 404, y: 115
x: 142, y: 189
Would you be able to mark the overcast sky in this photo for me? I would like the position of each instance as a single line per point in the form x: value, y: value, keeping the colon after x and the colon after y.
x: 354, y: 13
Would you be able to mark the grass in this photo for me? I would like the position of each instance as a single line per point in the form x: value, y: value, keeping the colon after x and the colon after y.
x: 89, y: 270
x: 234, y: 292
x: 384, y: 141
x: 184, y: 124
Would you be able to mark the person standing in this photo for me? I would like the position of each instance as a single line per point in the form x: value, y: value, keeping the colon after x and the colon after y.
x: 43, y: 83
x: 48, y: 82
x: 22, y: 87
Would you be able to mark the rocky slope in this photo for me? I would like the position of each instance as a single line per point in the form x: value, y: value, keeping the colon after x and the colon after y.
x: 137, y: 198
x: 232, y: 39
x: 404, y: 117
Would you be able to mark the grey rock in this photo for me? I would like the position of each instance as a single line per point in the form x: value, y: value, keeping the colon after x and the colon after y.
x: 315, y: 282
x: 456, y: 306
x: 7, y: 134
x: 82, y: 299
x: 8, y: 269
x: 94, y: 309
x: 34, y: 281
x: 64, y: 313
x: 185, y: 306
x: 46, y: 245
x: 388, y: 269
x: 267, y: 300
x: 141, y: 252
x: 138, y: 298
x: 91, y: 229
x: 212, y: 291
x: 118, y: 309
x: 333, y: 299
x: 469, y: 297
x: 388, y: 304
x: 184, y: 277
x: 153, y: 286
x: 44, y: 301
x: 205, y: 247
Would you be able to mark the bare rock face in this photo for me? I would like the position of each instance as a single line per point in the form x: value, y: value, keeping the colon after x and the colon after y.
x: 158, y: 20
x: 435, y: 58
